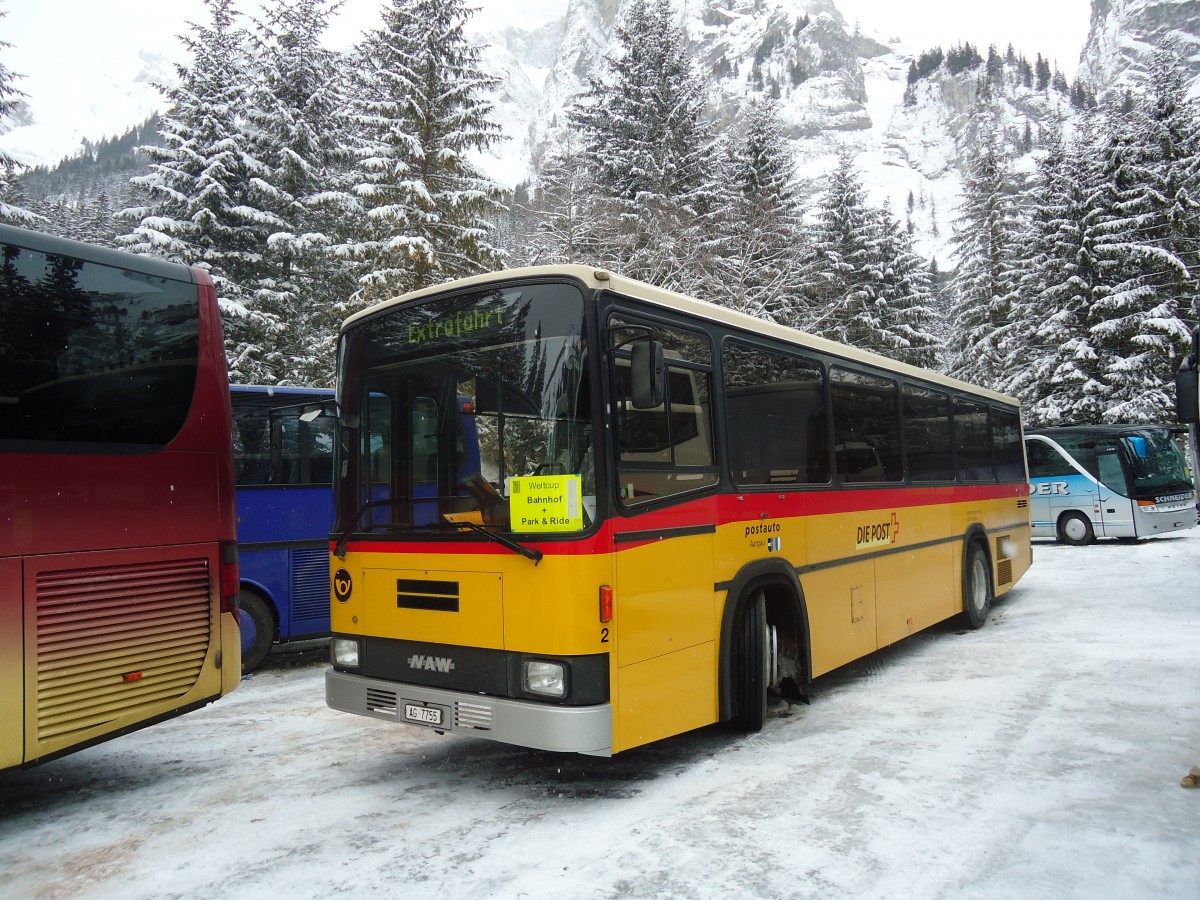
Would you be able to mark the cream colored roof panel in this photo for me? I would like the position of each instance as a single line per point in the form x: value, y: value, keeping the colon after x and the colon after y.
x: 597, y: 279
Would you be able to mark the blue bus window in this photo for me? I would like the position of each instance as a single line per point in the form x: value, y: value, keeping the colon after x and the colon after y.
x: 284, y: 467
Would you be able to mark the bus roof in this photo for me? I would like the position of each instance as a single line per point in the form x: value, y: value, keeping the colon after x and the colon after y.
x: 59, y: 246
x: 272, y: 389
x: 601, y: 279
x: 1117, y: 429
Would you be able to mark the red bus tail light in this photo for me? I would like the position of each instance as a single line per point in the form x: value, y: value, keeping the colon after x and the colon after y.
x: 229, y: 581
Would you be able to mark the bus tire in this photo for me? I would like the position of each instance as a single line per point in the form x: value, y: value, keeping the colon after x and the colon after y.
x: 258, y: 630
x: 750, y: 671
x: 1075, y: 529
x: 978, y: 590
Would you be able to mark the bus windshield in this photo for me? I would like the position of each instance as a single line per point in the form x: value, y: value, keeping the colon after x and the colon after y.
x: 1144, y: 464
x: 452, y: 398
x: 1157, y: 462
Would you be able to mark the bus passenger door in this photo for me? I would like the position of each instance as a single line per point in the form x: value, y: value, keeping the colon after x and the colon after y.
x: 665, y: 647
x: 664, y: 541
x: 1113, y: 496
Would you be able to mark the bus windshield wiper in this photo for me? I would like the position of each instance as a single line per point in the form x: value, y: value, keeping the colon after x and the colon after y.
x: 527, y: 552
x: 339, y: 549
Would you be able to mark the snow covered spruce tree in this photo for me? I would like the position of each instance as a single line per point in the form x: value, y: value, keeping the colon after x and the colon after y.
x: 418, y: 111
x: 909, y: 323
x: 204, y: 205
x: 759, y: 251
x: 13, y: 209
x: 560, y: 216
x: 648, y: 147
x: 841, y: 299
x: 865, y: 285
x: 1052, y: 362
x: 296, y: 116
x: 984, y: 284
x: 1146, y: 250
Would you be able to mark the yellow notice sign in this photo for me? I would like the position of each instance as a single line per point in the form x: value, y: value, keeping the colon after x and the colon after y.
x: 545, y: 503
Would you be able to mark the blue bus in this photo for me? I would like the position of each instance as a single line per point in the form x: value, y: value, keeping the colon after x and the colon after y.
x: 1122, y: 481
x: 284, y: 474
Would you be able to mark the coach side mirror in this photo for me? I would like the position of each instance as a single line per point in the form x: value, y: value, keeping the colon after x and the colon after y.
x: 327, y: 409
x: 648, y: 374
x: 1187, y: 396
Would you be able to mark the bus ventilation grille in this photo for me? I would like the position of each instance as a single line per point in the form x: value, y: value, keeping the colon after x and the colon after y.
x: 384, y: 702
x: 1003, y: 563
x: 1023, y: 504
x: 119, y: 640
x: 473, y: 715
x: 310, y: 583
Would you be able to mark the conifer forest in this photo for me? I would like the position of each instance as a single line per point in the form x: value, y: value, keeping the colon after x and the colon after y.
x: 311, y: 183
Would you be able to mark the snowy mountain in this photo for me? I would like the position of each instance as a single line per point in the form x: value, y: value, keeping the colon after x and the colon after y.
x: 835, y: 88
x: 130, y: 96
x: 1124, y: 34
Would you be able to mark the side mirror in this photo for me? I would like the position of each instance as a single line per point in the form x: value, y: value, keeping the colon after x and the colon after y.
x: 648, y: 374
x: 1187, y: 396
x: 327, y: 408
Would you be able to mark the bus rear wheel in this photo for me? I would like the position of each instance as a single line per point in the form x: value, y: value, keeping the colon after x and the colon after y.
x: 258, y: 630
x: 754, y: 645
x: 978, y: 591
x: 1075, y: 529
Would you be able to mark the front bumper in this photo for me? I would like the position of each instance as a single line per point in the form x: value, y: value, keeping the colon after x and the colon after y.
x: 569, y: 729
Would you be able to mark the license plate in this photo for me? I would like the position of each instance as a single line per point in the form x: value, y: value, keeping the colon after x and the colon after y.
x: 426, y: 715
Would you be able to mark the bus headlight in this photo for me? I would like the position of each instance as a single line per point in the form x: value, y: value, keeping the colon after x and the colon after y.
x: 344, y: 652
x: 546, y: 678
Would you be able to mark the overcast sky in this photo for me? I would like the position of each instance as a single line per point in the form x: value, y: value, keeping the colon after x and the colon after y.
x: 71, y: 52
x: 1054, y: 28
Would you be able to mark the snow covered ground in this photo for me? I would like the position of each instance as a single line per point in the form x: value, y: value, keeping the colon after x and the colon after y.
x: 1039, y: 757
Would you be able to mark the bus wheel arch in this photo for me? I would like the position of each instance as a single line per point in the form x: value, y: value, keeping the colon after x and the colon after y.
x: 765, y: 607
x: 1075, y: 528
x: 258, y: 626
x: 978, y: 583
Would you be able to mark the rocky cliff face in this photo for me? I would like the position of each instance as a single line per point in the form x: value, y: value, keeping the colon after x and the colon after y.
x: 1124, y: 34
x: 836, y: 89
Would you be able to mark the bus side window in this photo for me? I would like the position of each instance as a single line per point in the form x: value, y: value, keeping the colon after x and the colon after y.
x: 1045, y: 461
x: 319, y: 436
x: 668, y: 450
x: 1112, y: 473
x: 251, y: 445
x: 775, y: 417
x: 866, y: 427
x: 973, y: 441
x: 1006, y: 443
x: 930, y: 453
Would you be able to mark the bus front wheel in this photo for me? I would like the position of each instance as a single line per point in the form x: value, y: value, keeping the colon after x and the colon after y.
x: 752, y: 664
x: 978, y: 591
x: 1075, y: 529
x: 258, y: 630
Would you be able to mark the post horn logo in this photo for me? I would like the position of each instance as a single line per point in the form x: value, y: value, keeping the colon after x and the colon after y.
x: 342, y: 585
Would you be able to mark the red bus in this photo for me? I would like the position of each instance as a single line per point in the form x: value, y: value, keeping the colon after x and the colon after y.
x: 118, y: 549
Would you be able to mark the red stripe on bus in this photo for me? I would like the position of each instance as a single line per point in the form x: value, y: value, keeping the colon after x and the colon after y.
x: 723, y: 509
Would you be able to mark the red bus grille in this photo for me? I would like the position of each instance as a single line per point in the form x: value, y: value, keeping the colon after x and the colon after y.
x: 114, y: 640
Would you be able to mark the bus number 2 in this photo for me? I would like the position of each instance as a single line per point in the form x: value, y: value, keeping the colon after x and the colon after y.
x: 604, y: 635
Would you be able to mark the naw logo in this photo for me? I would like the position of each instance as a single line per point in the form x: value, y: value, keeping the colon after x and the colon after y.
x: 419, y: 661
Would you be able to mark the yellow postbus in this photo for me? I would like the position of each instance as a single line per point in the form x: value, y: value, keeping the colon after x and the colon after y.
x: 579, y: 513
